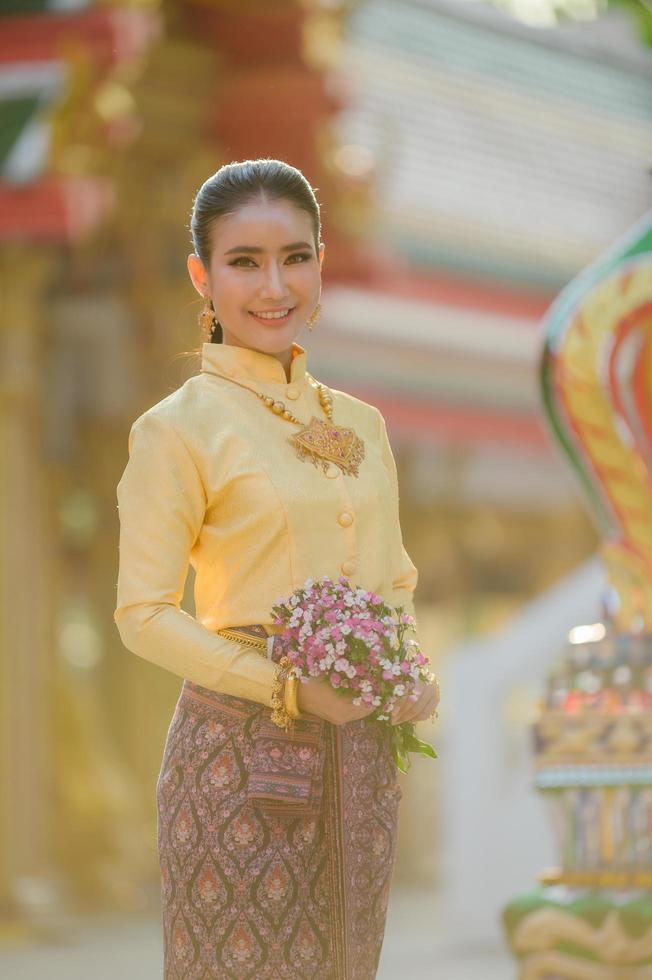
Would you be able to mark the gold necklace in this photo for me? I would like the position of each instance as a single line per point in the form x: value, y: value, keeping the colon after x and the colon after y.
x: 320, y: 441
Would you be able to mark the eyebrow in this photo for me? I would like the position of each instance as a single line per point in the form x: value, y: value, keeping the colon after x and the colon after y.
x: 255, y: 249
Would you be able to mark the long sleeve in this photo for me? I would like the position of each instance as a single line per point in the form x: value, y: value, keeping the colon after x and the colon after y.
x: 404, y: 572
x: 161, y: 505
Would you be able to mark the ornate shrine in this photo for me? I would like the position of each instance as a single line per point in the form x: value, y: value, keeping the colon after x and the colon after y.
x: 591, y: 917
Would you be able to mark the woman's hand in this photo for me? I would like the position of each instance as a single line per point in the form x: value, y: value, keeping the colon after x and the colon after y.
x: 317, y: 697
x: 421, y: 707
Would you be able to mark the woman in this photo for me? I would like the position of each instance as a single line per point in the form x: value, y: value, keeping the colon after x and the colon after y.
x: 276, y: 847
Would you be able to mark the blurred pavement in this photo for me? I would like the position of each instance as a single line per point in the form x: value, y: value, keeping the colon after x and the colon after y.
x: 414, y: 949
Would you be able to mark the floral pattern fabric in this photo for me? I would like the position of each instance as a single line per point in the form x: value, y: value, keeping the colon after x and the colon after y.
x: 256, y: 891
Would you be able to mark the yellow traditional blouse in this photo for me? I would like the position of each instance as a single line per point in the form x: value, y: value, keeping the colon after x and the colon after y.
x: 213, y: 482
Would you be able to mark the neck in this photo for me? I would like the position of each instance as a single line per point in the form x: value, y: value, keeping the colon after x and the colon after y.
x: 285, y: 357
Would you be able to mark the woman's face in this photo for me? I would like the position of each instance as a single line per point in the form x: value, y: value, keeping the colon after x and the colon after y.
x: 263, y: 261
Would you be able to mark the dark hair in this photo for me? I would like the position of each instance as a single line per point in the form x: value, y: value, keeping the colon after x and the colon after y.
x: 237, y: 184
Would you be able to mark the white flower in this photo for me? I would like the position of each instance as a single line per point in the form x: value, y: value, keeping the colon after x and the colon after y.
x: 345, y: 630
x: 399, y: 690
x: 376, y: 701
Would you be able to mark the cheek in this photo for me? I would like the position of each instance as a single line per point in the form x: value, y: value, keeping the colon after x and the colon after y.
x: 232, y: 288
x: 305, y: 279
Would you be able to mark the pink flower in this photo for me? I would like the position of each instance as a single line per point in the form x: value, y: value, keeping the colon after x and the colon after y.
x: 327, y: 620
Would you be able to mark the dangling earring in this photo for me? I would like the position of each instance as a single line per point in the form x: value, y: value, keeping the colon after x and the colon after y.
x: 312, y: 319
x: 207, y: 320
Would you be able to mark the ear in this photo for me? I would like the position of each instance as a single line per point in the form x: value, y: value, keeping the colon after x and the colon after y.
x: 197, y: 273
x: 322, y: 251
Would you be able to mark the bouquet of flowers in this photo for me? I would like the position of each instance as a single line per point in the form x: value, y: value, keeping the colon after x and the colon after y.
x: 357, y: 642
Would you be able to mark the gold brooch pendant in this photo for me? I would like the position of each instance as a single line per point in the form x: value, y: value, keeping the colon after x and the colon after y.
x: 323, y: 443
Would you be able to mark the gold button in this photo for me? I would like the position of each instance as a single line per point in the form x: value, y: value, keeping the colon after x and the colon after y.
x: 348, y: 566
x: 345, y: 518
x: 292, y: 391
x: 332, y: 471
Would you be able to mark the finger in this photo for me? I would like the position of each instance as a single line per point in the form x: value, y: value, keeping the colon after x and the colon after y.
x: 428, y: 710
x: 421, y: 707
x: 399, y: 708
x: 407, y: 708
x: 397, y: 714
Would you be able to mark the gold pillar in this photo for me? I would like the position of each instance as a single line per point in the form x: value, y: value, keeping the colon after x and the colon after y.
x: 26, y: 879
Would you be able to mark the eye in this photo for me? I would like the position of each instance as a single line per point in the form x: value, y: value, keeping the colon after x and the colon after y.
x: 304, y: 256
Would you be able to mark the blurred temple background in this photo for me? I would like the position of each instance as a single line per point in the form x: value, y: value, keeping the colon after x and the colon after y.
x: 471, y: 159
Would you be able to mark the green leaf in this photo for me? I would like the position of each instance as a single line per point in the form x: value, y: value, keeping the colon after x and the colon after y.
x: 402, y: 761
x: 413, y: 744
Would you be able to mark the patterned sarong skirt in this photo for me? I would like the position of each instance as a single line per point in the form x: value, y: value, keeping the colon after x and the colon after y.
x: 276, y: 856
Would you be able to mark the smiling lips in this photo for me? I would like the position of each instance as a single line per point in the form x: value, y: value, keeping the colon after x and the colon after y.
x: 272, y: 314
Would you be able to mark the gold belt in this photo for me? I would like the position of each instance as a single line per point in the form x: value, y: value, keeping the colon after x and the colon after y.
x: 242, y: 635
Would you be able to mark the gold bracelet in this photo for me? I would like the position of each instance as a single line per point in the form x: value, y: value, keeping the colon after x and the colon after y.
x: 284, y: 691
x: 280, y: 715
x: 291, y: 696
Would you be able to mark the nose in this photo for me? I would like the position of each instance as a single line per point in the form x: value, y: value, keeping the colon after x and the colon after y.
x: 274, y: 283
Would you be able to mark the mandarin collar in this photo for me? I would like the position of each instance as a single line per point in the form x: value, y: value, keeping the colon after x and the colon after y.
x: 246, y: 364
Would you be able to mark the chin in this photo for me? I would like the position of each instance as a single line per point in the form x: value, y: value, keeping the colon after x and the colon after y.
x: 274, y: 342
